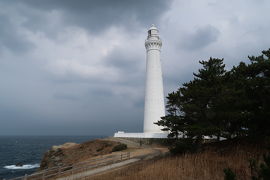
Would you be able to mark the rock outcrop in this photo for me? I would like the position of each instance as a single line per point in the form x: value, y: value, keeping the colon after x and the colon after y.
x: 71, y: 153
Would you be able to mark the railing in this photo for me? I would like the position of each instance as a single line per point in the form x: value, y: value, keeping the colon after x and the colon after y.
x: 52, y: 173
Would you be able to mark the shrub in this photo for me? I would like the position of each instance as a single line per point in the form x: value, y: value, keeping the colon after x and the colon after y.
x: 182, y: 146
x: 100, y: 149
x: 119, y: 147
x: 265, y: 167
x: 229, y: 174
x: 261, y: 172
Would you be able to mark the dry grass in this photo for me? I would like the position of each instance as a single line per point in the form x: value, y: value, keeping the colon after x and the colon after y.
x: 207, y: 165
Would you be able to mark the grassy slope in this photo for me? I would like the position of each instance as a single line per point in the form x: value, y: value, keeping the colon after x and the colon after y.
x: 206, y: 165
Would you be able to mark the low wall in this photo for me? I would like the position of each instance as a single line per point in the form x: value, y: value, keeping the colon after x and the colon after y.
x: 140, y: 135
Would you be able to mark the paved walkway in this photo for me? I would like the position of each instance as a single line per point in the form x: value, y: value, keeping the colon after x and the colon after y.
x: 98, y: 170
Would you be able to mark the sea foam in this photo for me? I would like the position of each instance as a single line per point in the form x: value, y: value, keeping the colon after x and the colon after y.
x: 25, y: 166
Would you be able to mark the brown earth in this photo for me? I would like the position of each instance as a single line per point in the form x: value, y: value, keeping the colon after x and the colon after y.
x: 209, y: 163
x: 71, y: 153
x: 205, y: 165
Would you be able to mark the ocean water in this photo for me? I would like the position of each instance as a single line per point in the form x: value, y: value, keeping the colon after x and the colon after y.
x: 28, y: 150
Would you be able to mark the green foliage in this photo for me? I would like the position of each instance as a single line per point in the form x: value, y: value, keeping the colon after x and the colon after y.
x: 182, y: 146
x: 195, y: 110
x: 265, y: 167
x: 222, y: 103
x: 229, y: 174
x: 119, y: 147
x: 253, y: 169
x: 261, y: 172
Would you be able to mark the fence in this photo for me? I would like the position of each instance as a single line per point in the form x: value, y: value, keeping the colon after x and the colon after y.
x: 52, y: 173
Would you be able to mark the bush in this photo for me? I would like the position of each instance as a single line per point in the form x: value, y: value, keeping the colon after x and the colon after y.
x: 261, y: 172
x: 229, y: 174
x: 100, y: 149
x: 265, y: 167
x: 182, y: 146
x: 119, y: 147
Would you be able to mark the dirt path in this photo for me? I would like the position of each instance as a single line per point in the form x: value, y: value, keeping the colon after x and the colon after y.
x: 98, y: 170
x: 138, y: 153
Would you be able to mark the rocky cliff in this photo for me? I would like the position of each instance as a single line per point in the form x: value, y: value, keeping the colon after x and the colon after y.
x: 70, y: 153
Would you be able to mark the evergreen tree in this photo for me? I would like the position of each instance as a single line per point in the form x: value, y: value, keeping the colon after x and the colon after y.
x: 253, y: 80
x: 220, y: 103
x: 193, y: 110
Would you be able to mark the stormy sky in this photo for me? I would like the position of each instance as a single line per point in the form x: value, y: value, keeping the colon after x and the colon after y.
x: 78, y: 67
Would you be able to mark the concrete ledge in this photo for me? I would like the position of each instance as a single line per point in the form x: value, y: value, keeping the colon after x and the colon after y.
x: 140, y: 135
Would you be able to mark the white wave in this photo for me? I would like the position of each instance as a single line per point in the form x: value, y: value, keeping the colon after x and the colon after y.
x: 25, y: 166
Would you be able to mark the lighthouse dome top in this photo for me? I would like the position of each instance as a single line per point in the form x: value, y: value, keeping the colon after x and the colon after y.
x: 153, y: 27
x: 153, y: 40
x: 153, y: 31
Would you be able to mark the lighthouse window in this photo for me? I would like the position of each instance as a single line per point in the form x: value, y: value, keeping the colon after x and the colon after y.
x: 149, y: 33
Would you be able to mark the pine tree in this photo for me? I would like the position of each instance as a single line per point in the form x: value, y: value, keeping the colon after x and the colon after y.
x: 193, y: 111
x: 220, y: 103
x: 254, y: 81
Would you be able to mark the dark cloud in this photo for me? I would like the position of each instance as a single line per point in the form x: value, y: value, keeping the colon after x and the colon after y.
x: 97, y: 15
x: 86, y: 72
x: 68, y: 97
x: 123, y: 62
x: 201, y: 38
x: 128, y: 63
x: 11, y: 38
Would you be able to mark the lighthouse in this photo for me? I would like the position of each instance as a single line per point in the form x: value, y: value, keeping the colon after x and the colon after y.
x: 154, y: 95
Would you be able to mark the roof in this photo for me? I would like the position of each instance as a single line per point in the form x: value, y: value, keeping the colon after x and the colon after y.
x: 153, y: 27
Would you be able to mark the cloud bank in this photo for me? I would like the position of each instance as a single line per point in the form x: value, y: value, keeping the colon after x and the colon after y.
x: 78, y: 67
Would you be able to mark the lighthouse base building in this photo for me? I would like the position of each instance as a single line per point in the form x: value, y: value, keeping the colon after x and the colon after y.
x: 140, y: 135
x: 154, y: 95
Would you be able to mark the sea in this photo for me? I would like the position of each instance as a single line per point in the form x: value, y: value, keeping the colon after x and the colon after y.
x: 28, y: 151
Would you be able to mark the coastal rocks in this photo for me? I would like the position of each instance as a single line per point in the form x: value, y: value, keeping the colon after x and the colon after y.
x: 52, y: 158
x: 19, y: 164
x: 64, y: 146
x: 70, y: 153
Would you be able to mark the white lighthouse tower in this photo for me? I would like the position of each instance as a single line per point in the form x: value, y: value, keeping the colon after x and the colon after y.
x: 154, y: 95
